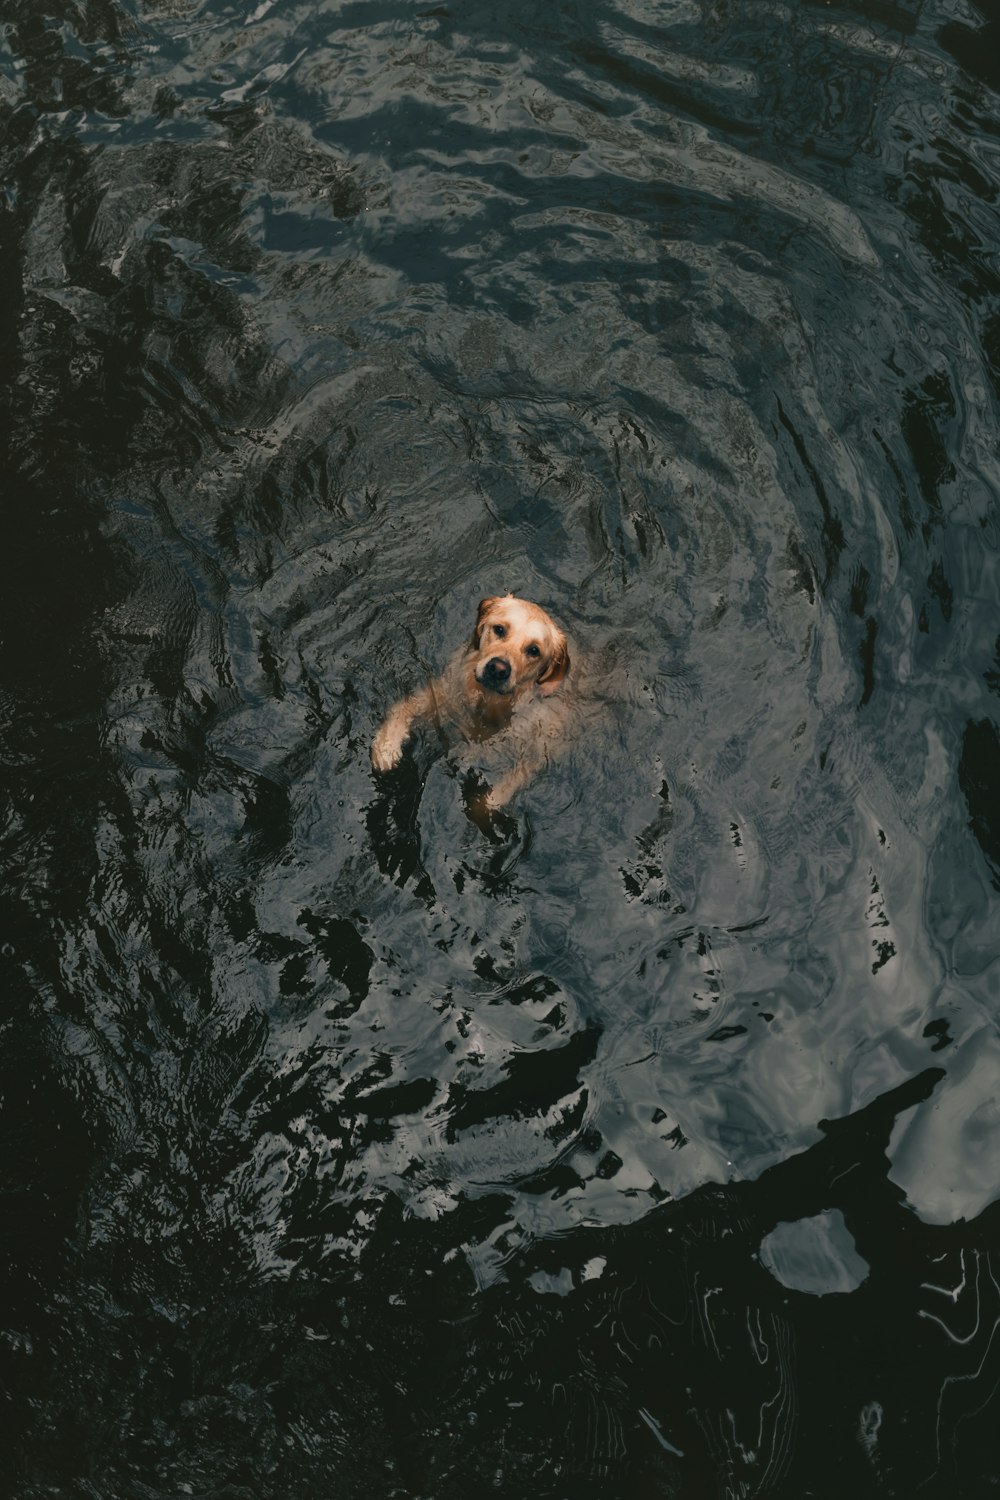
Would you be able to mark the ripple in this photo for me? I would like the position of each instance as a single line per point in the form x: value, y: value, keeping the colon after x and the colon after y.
x: 324, y: 323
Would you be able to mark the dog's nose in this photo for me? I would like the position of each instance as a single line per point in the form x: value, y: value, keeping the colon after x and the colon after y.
x: 497, y: 670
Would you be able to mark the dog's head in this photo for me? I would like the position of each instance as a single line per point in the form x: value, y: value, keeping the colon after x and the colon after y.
x: 517, y: 646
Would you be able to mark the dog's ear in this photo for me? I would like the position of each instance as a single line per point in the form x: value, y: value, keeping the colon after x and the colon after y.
x: 485, y: 605
x: 559, y: 665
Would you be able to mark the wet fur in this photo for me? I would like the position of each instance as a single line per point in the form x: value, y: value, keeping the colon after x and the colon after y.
x: 473, y: 698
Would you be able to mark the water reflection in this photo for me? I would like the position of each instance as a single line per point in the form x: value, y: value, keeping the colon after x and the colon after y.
x: 355, y: 1139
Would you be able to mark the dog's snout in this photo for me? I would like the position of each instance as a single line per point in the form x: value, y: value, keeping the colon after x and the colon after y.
x: 497, y: 669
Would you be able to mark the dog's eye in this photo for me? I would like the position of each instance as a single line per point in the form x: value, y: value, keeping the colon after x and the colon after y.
x: 500, y: 631
x: 532, y: 651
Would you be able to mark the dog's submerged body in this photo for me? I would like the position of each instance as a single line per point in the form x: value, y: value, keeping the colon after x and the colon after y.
x: 505, y: 683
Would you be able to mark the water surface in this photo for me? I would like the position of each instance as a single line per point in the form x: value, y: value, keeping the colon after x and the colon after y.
x: 355, y: 1150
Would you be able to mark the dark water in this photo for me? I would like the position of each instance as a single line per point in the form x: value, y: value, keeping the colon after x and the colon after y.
x: 647, y: 1144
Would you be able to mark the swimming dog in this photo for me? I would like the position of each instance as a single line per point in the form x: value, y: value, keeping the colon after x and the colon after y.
x: 504, y: 683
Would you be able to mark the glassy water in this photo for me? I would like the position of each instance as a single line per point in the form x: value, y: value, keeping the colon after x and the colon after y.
x: 645, y: 1143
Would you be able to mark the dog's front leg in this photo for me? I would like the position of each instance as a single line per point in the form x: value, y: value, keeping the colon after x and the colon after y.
x: 501, y: 792
x: 387, y: 746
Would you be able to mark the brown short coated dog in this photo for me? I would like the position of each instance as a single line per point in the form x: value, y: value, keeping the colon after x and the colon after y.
x: 505, y: 682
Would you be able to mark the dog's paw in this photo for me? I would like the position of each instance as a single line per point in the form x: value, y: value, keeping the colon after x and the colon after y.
x: 484, y: 809
x: 387, y: 749
x: 474, y: 794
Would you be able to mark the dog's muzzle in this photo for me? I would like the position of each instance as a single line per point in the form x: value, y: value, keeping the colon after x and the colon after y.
x: 497, y: 675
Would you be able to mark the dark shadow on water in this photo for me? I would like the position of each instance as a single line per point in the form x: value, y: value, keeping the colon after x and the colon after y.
x: 979, y: 778
x: 392, y: 821
x: 657, y: 1359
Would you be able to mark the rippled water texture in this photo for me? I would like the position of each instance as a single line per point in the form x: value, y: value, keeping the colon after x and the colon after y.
x: 355, y: 1150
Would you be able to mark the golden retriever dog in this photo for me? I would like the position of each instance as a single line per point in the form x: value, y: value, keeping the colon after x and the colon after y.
x: 505, y: 683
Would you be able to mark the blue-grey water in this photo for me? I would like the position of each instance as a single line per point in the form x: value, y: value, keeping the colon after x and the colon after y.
x: 645, y: 1143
